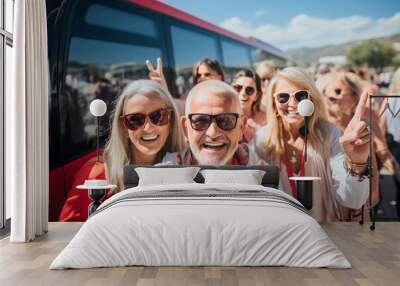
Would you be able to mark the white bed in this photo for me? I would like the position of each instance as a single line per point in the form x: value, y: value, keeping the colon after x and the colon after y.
x: 201, y: 224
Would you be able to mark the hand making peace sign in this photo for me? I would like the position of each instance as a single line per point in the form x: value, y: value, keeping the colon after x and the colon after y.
x: 355, y: 138
x: 157, y: 74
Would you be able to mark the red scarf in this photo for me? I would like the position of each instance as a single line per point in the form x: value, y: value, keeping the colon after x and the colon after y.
x: 290, y: 171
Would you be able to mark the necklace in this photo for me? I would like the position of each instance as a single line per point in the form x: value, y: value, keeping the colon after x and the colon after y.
x: 292, y: 168
x: 293, y: 156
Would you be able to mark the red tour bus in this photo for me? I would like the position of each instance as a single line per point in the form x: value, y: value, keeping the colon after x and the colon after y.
x: 97, y: 46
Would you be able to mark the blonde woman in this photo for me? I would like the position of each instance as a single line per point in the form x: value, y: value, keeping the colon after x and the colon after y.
x: 342, y: 95
x: 145, y: 126
x: 339, y: 160
x: 266, y: 71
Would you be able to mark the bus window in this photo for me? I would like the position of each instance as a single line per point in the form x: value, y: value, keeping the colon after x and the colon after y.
x: 97, y: 69
x: 188, y: 48
x: 236, y: 57
x: 107, y: 17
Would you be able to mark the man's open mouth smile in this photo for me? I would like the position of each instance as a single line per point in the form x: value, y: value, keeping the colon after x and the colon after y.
x: 213, y: 145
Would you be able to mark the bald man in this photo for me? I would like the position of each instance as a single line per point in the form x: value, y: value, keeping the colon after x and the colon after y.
x: 213, y: 124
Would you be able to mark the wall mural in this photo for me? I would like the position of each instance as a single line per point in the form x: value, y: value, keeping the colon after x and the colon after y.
x: 226, y: 100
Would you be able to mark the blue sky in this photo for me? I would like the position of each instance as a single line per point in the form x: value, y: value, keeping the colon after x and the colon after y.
x: 305, y: 22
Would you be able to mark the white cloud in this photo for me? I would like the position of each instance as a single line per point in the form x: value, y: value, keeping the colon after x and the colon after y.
x: 260, y: 13
x: 308, y: 31
x: 235, y: 24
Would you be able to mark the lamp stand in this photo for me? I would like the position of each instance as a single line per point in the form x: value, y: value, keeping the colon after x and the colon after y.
x: 98, y: 140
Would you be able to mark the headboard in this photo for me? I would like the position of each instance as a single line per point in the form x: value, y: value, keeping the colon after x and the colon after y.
x: 270, y: 179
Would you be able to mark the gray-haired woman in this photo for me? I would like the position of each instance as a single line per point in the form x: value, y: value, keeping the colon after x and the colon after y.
x: 145, y: 126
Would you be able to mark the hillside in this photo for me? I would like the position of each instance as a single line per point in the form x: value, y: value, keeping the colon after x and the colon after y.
x: 309, y: 55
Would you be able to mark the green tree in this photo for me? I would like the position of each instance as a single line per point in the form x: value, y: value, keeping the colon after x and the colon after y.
x: 373, y: 53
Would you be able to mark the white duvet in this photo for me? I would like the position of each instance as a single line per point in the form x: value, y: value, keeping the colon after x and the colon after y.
x: 226, y: 225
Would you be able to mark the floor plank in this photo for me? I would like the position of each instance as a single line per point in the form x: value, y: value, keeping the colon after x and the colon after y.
x: 374, y: 255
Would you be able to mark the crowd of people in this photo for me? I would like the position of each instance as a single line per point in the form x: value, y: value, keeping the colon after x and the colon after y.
x: 254, y: 120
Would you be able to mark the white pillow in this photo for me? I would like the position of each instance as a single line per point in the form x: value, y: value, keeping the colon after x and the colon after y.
x: 249, y: 177
x: 163, y: 176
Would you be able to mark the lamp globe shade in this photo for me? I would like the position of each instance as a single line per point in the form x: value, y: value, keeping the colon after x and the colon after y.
x: 306, y: 107
x: 98, y: 107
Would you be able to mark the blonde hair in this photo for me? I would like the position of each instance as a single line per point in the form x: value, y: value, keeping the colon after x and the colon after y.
x: 353, y: 81
x: 299, y: 77
x: 118, y: 151
x: 267, y: 65
x: 395, y: 83
x: 322, y: 82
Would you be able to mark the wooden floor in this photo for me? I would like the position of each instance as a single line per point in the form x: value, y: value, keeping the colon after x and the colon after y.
x: 374, y: 255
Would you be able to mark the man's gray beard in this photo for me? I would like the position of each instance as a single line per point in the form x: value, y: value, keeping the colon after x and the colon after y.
x: 202, y: 160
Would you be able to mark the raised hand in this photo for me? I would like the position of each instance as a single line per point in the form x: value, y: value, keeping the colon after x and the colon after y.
x: 355, y: 138
x: 157, y: 73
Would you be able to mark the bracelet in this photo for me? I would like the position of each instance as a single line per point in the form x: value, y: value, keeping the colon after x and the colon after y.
x: 351, y: 172
x: 356, y: 164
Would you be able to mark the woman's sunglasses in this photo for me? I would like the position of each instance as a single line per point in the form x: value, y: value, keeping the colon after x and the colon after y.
x: 249, y: 90
x: 134, y: 121
x: 224, y: 121
x: 283, y: 97
x: 263, y: 79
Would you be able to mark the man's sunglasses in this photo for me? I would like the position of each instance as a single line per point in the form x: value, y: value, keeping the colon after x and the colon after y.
x: 224, y: 121
x: 134, y: 121
x: 249, y: 90
x: 283, y: 97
